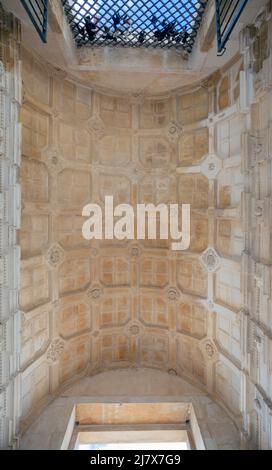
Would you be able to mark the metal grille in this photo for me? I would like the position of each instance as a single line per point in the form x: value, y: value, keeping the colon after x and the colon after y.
x: 135, y: 23
x: 38, y: 12
x: 228, y: 13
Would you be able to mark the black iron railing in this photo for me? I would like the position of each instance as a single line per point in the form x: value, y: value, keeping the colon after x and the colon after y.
x: 38, y: 13
x: 228, y: 13
x: 135, y: 23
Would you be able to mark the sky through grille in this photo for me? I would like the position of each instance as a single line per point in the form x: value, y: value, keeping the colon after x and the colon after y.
x: 135, y: 23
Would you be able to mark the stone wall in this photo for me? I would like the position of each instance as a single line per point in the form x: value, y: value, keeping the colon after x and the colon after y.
x: 118, y: 389
x: 257, y: 226
x: 204, y: 314
x: 10, y: 155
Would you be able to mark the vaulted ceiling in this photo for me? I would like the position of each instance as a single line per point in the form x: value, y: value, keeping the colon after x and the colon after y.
x: 203, y: 314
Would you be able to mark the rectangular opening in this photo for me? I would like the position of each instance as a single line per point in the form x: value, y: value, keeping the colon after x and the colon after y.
x: 133, y: 440
x: 164, y: 23
x: 133, y: 426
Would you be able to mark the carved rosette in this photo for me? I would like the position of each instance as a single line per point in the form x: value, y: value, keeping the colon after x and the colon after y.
x: 134, y: 329
x: 211, y: 166
x: 135, y: 251
x: 210, y: 260
x: 210, y: 350
x: 173, y: 131
x: 53, y: 160
x: 95, y: 293
x: 55, y: 350
x: 173, y: 294
x: 54, y: 256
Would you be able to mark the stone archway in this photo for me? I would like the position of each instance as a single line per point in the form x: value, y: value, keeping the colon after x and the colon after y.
x: 49, y: 429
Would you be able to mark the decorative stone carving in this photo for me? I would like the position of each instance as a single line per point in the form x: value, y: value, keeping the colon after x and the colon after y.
x: 94, y: 252
x: 263, y: 16
x: 55, y: 255
x: 210, y: 260
x: 258, y: 277
x: 53, y: 160
x: 135, y: 251
x: 134, y: 328
x: 173, y: 294
x: 10, y: 150
x: 257, y: 404
x: 259, y: 211
x: 209, y: 349
x: 174, y: 316
x: 257, y: 342
x: 96, y: 126
x: 56, y: 114
x: 211, y: 166
x: 2, y: 76
x: 94, y: 293
x: 256, y: 147
x: 173, y: 131
x: 2, y: 141
x: 55, y: 350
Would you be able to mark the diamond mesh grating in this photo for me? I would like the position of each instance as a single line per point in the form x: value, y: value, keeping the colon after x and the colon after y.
x: 135, y: 23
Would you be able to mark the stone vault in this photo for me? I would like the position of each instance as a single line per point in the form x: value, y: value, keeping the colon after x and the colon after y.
x: 88, y: 307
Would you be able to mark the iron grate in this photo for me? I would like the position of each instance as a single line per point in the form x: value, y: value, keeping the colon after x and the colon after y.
x: 228, y: 13
x: 135, y: 23
x: 37, y: 11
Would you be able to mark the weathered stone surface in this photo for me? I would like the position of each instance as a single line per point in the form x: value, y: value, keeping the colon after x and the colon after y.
x: 90, y: 306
